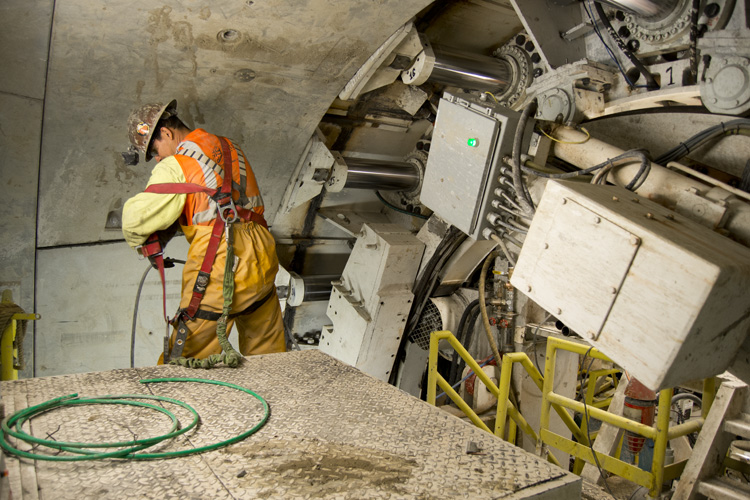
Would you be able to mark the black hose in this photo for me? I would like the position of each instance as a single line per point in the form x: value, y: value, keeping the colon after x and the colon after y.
x: 745, y: 180
x: 650, y: 81
x: 425, y: 286
x: 633, y: 185
x: 469, y: 336
x: 524, y: 199
x: 694, y: 35
x: 683, y: 149
x: 137, y: 302
x: 460, y: 336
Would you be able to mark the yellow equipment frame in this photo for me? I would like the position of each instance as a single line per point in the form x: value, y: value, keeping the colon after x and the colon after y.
x: 8, y: 352
x: 661, y: 433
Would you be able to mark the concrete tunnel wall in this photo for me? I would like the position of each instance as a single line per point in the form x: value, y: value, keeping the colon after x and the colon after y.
x: 262, y: 73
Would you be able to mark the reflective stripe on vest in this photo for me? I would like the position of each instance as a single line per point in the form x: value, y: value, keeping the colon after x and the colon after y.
x: 197, y: 157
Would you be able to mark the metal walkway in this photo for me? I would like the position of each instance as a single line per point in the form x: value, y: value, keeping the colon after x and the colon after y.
x: 334, y: 432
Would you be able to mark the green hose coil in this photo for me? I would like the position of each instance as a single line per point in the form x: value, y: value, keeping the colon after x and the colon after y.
x: 12, y: 426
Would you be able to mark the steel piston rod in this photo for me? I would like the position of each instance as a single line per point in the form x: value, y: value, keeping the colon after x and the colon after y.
x: 368, y: 174
x: 471, y: 71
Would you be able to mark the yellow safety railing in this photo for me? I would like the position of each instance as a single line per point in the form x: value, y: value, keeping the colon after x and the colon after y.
x: 8, y: 350
x: 661, y: 433
x: 434, y: 379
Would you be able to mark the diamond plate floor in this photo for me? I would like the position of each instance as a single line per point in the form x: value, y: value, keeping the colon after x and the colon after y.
x: 334, y: 432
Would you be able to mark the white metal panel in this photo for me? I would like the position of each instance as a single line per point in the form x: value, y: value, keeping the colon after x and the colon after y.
x: 682, y: 310
x: 456, y: 172
x: 598, y: 273
x: 370, y: 306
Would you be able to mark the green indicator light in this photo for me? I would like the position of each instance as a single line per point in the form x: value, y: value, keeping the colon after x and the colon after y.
x: 472, y: 142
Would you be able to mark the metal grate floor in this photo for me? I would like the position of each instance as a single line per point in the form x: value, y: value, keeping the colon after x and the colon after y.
x: 334, y: 432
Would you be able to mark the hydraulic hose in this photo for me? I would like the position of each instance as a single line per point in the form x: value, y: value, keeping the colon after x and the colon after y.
x: 521, y: 193
x: 486, y: 321
x: 13, y: 426
x: 650, y: 81
x: 465, y: 326
x: 137, y: 303
x: 603, y: 168
x: 483, y: 304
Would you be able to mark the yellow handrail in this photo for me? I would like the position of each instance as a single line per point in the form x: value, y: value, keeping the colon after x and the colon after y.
x: 661, y: 433
x: 8, y: 351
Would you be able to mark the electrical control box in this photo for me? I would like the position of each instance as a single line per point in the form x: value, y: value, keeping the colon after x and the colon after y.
x: 662, y: 296
x: 470, y: 139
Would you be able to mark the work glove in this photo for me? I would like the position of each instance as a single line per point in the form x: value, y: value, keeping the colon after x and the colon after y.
x: 168, y: 262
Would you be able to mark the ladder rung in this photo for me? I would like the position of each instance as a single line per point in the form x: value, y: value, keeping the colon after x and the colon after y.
x: 738, y: 426
x: 724, y: 490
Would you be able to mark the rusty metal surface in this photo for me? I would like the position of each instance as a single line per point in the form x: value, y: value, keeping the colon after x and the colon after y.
x: 334, y: 432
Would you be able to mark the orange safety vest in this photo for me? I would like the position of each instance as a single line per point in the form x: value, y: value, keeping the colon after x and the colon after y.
x: 200, y: 158
x: 205, y: 177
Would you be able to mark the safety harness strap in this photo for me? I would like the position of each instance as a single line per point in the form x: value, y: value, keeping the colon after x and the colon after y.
x: 152, y: 249
x: 188, y: 188
x: 227, y: 211
x: 214, y: 316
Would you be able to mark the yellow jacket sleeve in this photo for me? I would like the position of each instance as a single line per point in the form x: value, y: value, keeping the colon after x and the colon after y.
x: 146, y: 213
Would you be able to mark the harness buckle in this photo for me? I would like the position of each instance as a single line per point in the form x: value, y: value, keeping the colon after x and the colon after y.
x: 228, y: 212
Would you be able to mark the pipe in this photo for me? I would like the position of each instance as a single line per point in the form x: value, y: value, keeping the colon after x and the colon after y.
x: 662, y: 185
x: 369, y: 174
x: 651, y: 10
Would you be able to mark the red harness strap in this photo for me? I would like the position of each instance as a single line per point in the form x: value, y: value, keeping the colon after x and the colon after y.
x: 226, y: 210
x: 152, y: 248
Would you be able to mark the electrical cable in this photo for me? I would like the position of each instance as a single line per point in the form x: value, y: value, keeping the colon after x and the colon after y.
x: 510, y: 227
x: 732, y: 127
x: 527, y: 205
x: 611, y: 53
x: 425, y: 285
x: 536, y: 330
x: 471, y: 372
x: 461, y: 337
x: 137, y: 302
x: 497, y: 239
x: 483, y: 303
x: 512, y: 212
x: 588, y: 422
x: 80, y: 449
x: 513, y: 203
x: 634, y: 184
x: 650, y: 81
x: 400, y: 210
x: 694, y: 35
x: 588, y: 136
x: 632, y: 495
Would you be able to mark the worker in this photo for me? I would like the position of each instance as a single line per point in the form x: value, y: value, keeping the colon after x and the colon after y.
x: 195, y: 157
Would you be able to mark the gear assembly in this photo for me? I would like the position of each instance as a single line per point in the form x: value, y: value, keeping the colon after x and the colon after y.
x: 533, y: 215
